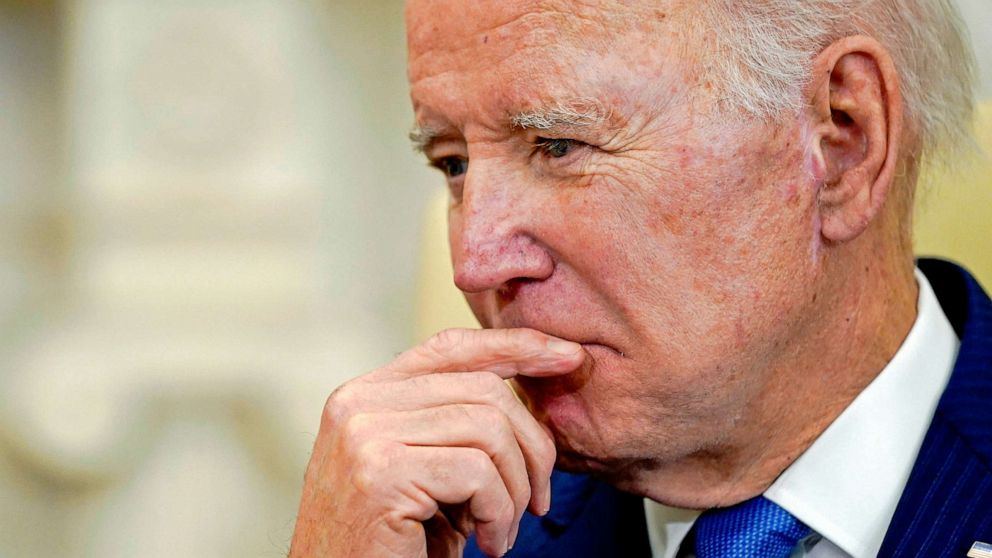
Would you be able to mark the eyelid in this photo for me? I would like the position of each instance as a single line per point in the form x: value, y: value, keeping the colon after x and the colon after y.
x: 438, y: 162
x: 441, y: 165
x: 542, y: 143
x: 440, y: 151
x: 444, y: 147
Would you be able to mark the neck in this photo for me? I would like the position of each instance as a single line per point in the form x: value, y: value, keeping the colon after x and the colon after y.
x: 865, y: 307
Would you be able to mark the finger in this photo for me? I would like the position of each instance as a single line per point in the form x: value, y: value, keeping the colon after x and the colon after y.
x: 481, y: 427
x: 505, y: 352
x: 474, y: 388
x: 445, y: 539
x: 463, y: 475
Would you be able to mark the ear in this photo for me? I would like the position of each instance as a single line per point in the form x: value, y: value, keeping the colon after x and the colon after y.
x: 857, y: 117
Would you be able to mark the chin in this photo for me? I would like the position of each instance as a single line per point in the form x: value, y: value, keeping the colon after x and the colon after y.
x: 580, y: 448
x: 623, y: 474
x: 573, y: 462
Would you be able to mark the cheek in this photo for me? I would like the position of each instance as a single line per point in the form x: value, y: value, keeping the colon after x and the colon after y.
x: 454, y: 228
x: 723, y: 249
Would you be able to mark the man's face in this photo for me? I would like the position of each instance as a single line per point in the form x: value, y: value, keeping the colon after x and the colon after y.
x: 675, y: 243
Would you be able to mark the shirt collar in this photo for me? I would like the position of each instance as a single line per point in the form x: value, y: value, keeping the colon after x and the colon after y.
x: 846, y: 486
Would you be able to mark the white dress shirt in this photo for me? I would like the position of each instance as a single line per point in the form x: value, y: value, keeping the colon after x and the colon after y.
x: 847, y: 484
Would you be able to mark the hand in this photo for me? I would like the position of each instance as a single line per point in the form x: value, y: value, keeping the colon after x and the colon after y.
x: 413, y: 457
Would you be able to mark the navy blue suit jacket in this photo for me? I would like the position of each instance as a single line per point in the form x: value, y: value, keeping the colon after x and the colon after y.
x: 947, y: 503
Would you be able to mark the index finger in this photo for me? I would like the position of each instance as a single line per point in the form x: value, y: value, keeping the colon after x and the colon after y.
x: 504, y: 352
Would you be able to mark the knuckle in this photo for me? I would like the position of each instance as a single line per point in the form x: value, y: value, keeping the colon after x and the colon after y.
x: 502, y: 422
x: 492, y: 389
x: 479, y: 466
x: 507, y: 396
x: 474, y: 381
x: 342, y: 403
x: 447, y: 338
x: 418, y: 384
x: 496, y: 424
x: 356, y: 426
x: 372, y: 461
x: 488, y: 417
x: 441, y: 346
x: 374, y: 457
x: 503, y: 428
x: 364, y: 481
x: 520, y: 339
x: 531, y: 336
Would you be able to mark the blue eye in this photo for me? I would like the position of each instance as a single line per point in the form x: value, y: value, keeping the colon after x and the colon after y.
x: 556, y: 148
x: 453, y: 166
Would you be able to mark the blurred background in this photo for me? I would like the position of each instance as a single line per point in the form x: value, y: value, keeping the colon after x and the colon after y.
x: 210, y: 217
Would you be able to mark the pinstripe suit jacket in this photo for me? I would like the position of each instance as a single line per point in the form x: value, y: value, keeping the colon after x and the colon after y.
x: 947, y: 503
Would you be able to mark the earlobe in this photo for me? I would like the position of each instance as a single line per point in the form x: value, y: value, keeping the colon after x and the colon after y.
x: 857, y: 114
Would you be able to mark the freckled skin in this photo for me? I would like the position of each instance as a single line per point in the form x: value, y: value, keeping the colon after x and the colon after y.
x: 650, y: 247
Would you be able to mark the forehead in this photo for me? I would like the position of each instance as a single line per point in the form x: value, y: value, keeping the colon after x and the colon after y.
x: 531, y: 52
x: 448, y: 23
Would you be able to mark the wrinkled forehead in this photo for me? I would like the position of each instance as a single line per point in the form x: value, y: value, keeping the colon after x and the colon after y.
x: 479, y: 59
x: 437, y: 29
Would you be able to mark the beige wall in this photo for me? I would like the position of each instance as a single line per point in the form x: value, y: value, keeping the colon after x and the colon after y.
x: 978, y: 15
x: 209, y: 216
x: 209, y: 213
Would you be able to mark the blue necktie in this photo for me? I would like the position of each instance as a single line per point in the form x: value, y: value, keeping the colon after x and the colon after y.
x: 756, y: 528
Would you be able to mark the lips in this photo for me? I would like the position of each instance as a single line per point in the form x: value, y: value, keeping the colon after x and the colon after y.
x: 592, y: 342
x: 596, y: 347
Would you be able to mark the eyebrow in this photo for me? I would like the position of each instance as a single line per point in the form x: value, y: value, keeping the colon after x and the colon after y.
x: 571, y: 114
x: 564, y: 114
x: 421, y: 137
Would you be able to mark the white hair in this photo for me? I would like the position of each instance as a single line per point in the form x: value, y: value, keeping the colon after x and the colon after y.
x: 766, y: 48
x: 576, y: 112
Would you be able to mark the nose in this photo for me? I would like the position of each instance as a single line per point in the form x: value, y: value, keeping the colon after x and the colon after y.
x: 493, y: 231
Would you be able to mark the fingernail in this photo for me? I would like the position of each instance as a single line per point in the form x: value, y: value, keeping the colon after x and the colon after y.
x: 547, y: 501
x: 563, y: 347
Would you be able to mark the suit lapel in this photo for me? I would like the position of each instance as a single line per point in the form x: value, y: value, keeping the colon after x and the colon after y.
x: 947, y: 503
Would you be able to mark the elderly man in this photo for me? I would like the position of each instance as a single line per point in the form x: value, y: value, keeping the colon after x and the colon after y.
x: 685, y: 227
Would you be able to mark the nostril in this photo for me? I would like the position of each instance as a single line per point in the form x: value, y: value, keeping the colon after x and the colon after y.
x: 509, y: 290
